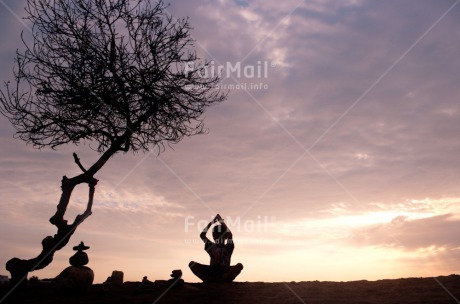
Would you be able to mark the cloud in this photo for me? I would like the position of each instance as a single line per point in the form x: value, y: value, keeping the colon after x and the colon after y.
x: 431, y: 242
x: 383, y: 157
x: 10, y: 36
x: 243, y: 3
x: 433, y: 232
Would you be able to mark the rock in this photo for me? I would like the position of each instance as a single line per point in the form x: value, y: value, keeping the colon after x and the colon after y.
x: 116, y: 278
x: 171, y: 283
x: 176, y: 274
x: 175, y: 283
x: 4, y: 280
x: 145, y: 280
x: 74, y: 279
x: 79, y: 259
x: 81, y: 247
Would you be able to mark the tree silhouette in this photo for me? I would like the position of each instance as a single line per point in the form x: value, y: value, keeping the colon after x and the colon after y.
x: 121, y: 75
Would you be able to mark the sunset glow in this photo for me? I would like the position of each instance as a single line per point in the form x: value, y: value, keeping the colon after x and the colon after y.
x: 339, y: 160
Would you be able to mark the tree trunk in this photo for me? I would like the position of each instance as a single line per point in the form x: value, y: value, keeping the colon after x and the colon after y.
x: 20, y: 268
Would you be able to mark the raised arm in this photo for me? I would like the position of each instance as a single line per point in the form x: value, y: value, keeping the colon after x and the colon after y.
x: 205, y: 230
x: 228, y: 233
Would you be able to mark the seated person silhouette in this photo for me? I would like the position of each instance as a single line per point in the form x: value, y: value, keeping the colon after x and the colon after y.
x: 220, y: 253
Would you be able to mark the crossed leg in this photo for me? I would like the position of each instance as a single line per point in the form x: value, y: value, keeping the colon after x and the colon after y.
x: 215, y: 273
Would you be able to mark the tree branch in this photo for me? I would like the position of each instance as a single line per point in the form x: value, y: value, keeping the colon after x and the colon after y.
x: 80, y: 218
x: 77, y: 161
x: 19, y: 268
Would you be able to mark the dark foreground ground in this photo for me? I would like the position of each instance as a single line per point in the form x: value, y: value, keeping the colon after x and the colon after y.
x: 414, y: 290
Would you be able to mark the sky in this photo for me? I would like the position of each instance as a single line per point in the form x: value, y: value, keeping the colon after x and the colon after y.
x: 338, y: 162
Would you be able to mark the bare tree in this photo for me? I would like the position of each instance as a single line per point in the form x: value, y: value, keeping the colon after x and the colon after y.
x: 119, y: 74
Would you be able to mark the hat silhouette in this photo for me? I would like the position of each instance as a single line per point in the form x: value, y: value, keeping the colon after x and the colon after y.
x: 81, y: 246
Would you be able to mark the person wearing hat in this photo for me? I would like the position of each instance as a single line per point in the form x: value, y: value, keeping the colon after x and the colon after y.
x: 220, y: 252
